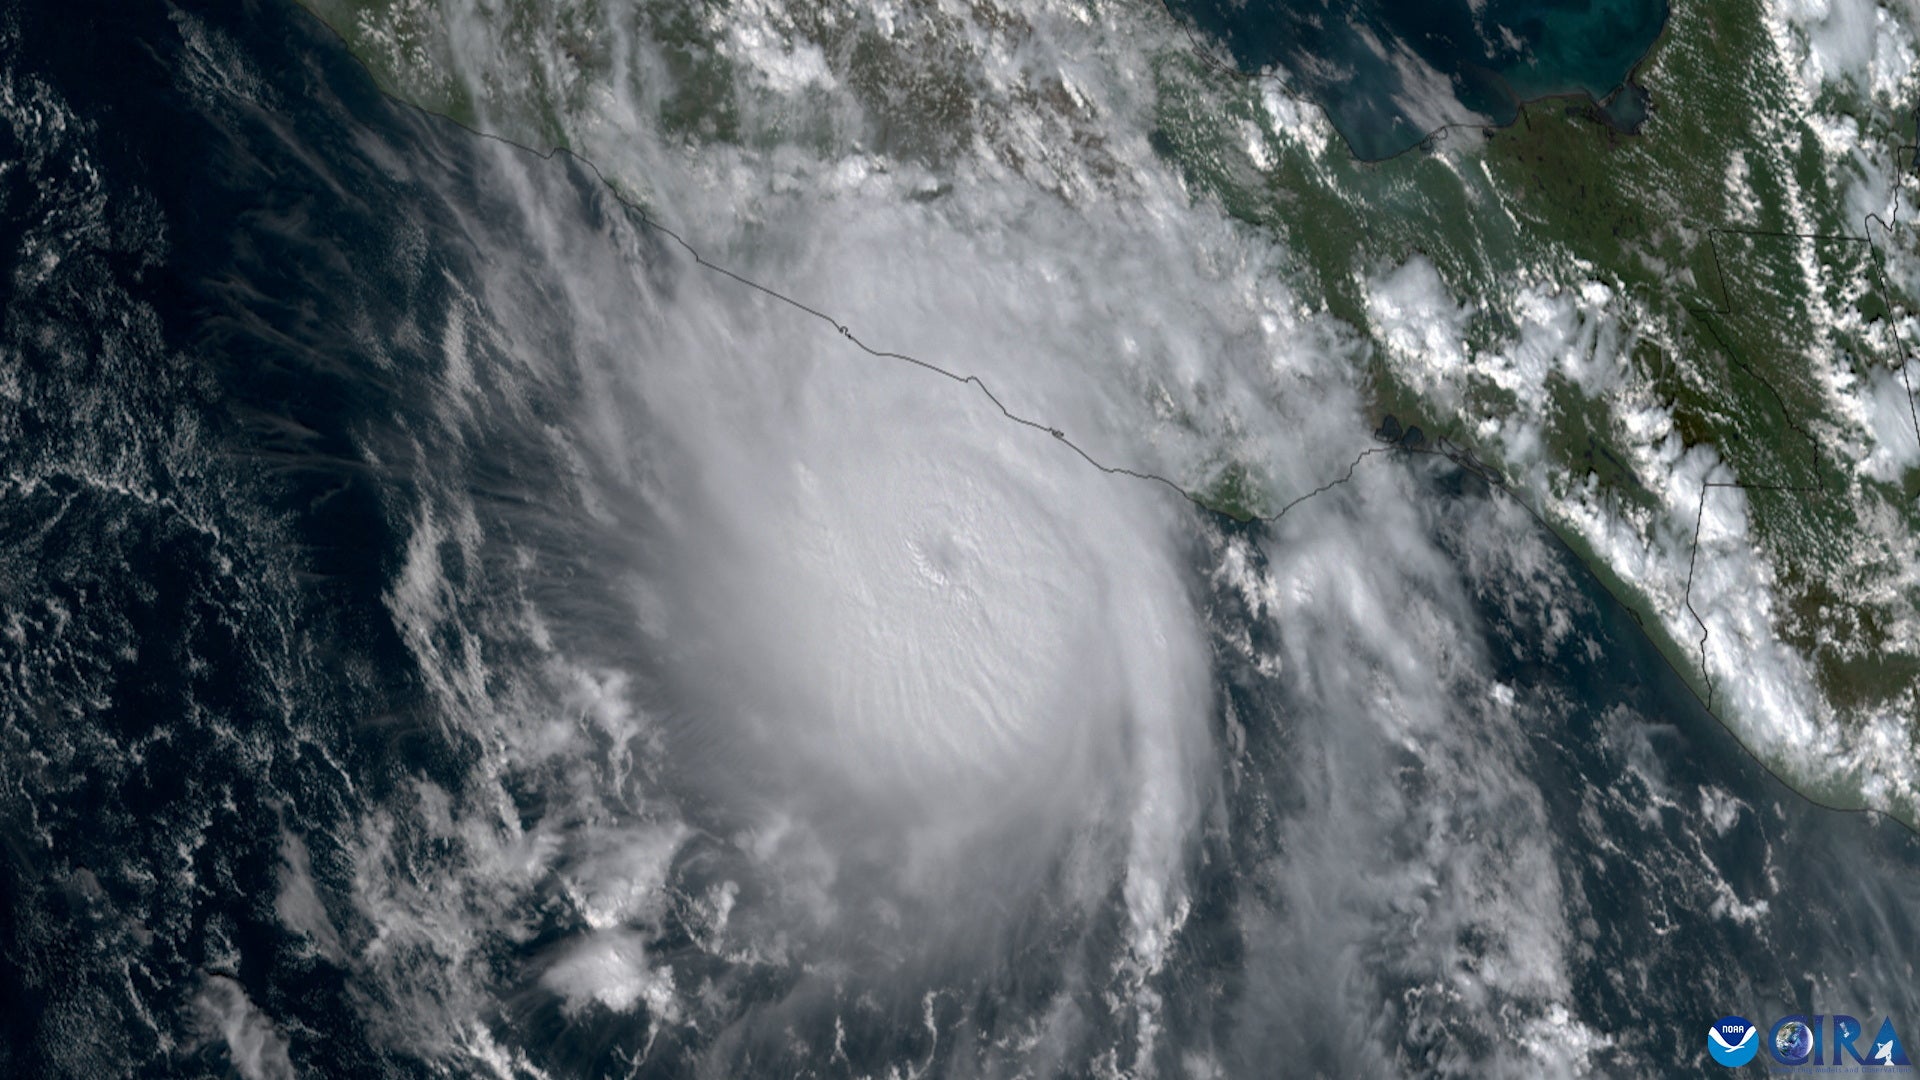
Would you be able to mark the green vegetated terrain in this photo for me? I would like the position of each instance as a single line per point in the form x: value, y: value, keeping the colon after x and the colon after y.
x: 1731, y: 317
x: 918, y: 80
x: 1729, y: 313
x: 1742, y: 331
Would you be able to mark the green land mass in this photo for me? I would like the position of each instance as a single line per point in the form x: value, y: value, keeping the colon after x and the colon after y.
x: 1728, y: 345
x: 1729, y: 317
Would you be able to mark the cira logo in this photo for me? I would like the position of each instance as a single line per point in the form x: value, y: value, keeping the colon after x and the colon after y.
x: 1733, y: 1040
x: 1796, y: 1040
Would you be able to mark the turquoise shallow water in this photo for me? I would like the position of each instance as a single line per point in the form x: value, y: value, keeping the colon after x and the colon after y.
x: 1389, y: 72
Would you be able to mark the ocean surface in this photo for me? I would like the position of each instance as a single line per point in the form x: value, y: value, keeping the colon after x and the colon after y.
x: 231, y: 788
x: 1390, y: 73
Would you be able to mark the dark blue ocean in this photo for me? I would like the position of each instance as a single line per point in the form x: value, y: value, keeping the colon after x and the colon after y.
x: 222, y: 255
x: 1391, y: 72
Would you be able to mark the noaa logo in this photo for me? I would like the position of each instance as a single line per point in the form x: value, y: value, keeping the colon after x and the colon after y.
x: 1733, y: 1041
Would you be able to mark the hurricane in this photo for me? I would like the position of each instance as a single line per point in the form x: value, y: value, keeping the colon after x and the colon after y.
x: 829, y: 592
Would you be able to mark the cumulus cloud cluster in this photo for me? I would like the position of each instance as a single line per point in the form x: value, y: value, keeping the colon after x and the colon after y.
x: 816, y: 662
x: 881, y: 682
x: 254, y: 1046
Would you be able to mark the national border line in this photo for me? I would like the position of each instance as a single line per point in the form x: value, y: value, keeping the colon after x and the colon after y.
x: 1461, y: 456
x: 1445, y: 448
x: 1440, y: 132
x: 1442, y: 447
x: 1428, y: 143
x: 1727, y: 307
